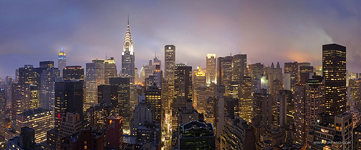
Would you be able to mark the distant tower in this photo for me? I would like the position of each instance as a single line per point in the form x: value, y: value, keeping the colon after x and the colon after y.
x: 61, y: 61
x: 128, y: 58
x: 211, y: 72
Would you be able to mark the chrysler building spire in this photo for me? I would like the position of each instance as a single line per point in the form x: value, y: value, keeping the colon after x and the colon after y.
x: 128, y: 57
x: 128, y: 42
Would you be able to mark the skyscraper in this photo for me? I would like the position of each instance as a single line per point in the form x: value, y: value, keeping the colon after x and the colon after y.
x: 239, y: 67
x: 94, y: 78
x: 211, y: 71
x: 224, y: 71
x: 61, y: 61
x: 68, y: 98
x: 334, y: 73
x: 128, y: 57
x: 47, y: 94
x: 292, y: 67
x: 110, y: 69
x: 183, y: 84
x: 153, y: 99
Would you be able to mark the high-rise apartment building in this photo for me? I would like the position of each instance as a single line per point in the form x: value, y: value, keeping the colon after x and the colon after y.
x: 128, y: 56
x: 334, y: 73
x: 211, y: 70
x: 61, y: 61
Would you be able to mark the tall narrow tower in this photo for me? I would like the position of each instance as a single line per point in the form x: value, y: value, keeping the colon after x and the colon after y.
x: 128, y: 58
x: 334, y: 73
x: 61, y: 61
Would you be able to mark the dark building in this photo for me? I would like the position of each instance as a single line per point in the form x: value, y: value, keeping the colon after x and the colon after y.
x: 84, y: 140
x: 68, y: 98
x: 334, y: 73
x: 183, y: 81
x: 108, y: 94
x: 73, y: 73
x: 224, y: 70
x: 114, y: 133
x: 26, y: 140
x: 123, y: 104
x: 196, y: 135
x: 153, y: 99
x: 46, y: 64
x: 239, y: 67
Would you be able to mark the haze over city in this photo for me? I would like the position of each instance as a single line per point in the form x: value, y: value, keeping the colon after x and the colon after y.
x: 267, y: 31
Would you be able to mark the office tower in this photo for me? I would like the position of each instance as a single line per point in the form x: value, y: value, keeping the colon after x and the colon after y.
x: 47, y: 95
x: 2, y: 111
x: 219, y: 109
x: 334, y: 132
x: 94, y: 78
x: 211, y: 71
x: 245, y: 99
x: 68, y: 98
x: 274, y: 73
x: 123, y: 85
x: 314, y: 99
x: 262, y: 109
x: 355, y: 92
x: 114, y: 133
x: 84, y: 139
x: 153, y: 99
x: 224, y: 71
x: 73, y: 73
x: 199, y: 81
x: 196, y: 135
x: 237, y: 134
x: 128, y: 56
x: 20, y: 98
x: 70, y: 124
x: 28, y: 74
x: 158, y: 76
x: 26, y: 141
x: 61, y: 61
x: 292, y: 68
x: 188, y: 114
x: 256, y: 71
x: 169, y: 67
x: 110, y: 69
x: 334, y: 73
x: 182, y: 85
x: 46, y: 64
x: 41, y: 120
x: 239, y: 67
x: 287, y: 81
x: 156, y: 62
x: 34, y: 97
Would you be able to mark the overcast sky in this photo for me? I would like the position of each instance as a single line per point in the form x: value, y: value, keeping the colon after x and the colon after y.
x: 266, y: 30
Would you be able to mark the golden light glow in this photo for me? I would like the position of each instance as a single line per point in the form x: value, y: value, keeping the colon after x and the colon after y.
x: 211, y: 55
x: 200, y: 72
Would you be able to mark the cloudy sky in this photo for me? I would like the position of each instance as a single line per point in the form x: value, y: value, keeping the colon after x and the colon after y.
x: 266, y: 30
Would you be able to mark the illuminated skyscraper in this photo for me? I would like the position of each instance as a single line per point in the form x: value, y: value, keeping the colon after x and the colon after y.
x: 183, y: 84
x: 61, y: 61
x: 153, y: 99
x: 334, y: 73
x: 224, y: 71
x: 20, y: 98
x: 110, y: 69
x: 199, y: 81
x: 211, y: 71
x: 47, y: 92
x: 94, y: 78
x: 128, y: 57
x: 169, y: 53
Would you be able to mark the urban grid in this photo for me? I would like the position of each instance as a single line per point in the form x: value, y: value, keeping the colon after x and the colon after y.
x: 228, y: 104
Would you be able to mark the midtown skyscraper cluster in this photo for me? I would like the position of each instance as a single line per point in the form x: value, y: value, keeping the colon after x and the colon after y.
x: 229, y: 104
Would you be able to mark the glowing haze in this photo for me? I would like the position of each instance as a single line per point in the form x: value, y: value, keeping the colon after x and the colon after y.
x: 266, y: 30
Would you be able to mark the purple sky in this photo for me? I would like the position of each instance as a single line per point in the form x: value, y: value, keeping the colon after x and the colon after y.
x: 266, y: 30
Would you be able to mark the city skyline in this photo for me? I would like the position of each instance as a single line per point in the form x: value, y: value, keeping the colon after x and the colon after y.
x: 88, y: 31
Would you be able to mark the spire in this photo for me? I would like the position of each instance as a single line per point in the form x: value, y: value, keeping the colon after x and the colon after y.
x: 272, y: 66
x: 128, y: 42
x: 62, y: 49
x: 128, y: 19
x: 278, y: 65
